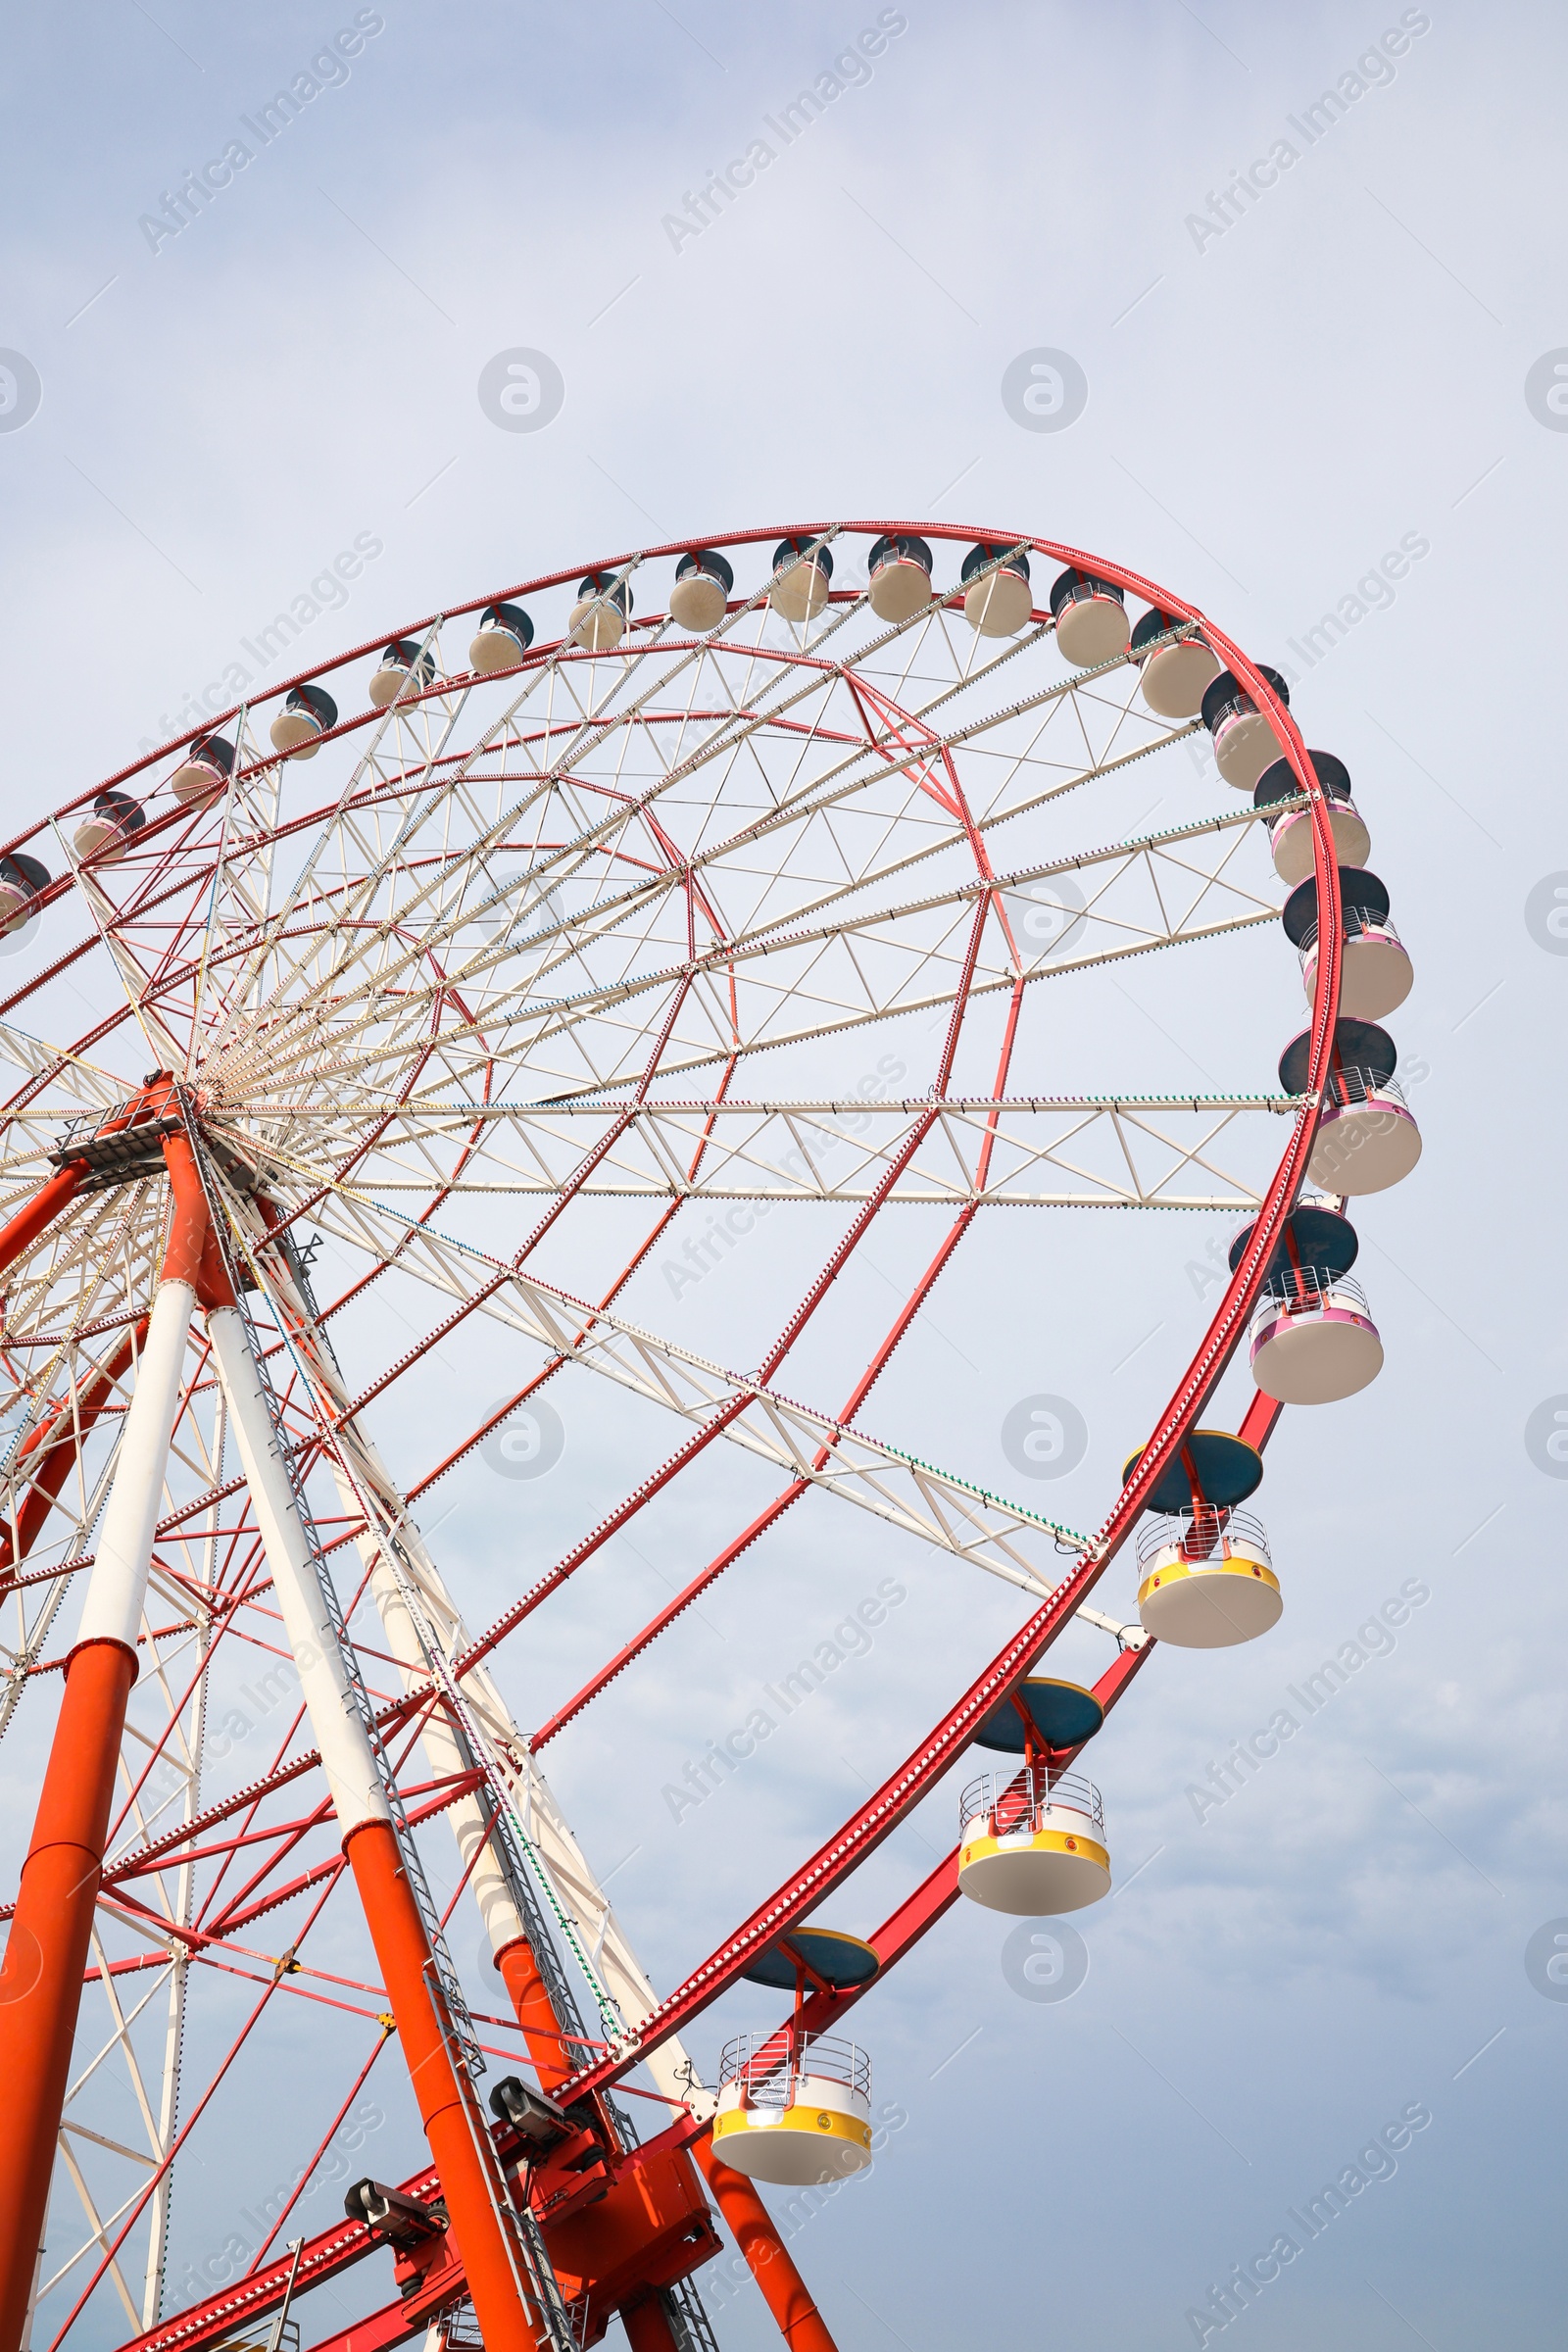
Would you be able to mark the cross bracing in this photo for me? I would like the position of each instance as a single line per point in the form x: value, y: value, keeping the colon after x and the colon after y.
x: 572, y: 941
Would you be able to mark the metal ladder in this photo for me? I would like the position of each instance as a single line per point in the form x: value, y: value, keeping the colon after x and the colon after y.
x: 535, y: 2278
x: 683, y: 2306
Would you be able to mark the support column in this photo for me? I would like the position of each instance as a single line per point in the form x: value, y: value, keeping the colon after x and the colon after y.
x: 553, y: 2059
x: 40, y: 1211
x: 40, y: 1981
x: 449, y: 2107
x: 40, y: 1984
x: 55, y: 1445
x: 751, y: 2224
x: 468, y: 1817
x: 646, y: 2327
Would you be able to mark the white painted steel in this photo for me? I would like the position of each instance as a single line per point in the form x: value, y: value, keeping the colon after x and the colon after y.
x: 346, y: 1753
x: 361, y: 1477
x: 575, y: 1887
x: 118, y: 1588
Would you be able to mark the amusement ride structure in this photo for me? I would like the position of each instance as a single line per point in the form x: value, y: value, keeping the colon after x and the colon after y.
x: 483, y: 956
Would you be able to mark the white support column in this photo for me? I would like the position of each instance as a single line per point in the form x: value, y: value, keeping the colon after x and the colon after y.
x: 117, y: 1590
x: 346, y: 1752
x: 578, y: 1890
x: 503, y: 1920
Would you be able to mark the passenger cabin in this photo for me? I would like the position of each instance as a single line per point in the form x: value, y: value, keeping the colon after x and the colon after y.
x: 1375, y: 970
x: 504, y: 635
x: 109, y: 828
x: 21, y: 878
x: 1091, y: 618
x: 1290, y: 834
x: 996, y: 599
x: 1176, y: 673
x: 1312, y: 1339
x: 700, y: 598
x: 801, y: 571
x: 1367, y: 1137
x: 795, y: 2107
x: 404, y: 673
x: 204, y: 771
x: 1206, y: 1579
x: 598, y: 619
x: 1032, y: 1838
x: 308, y: 713
x: 1244, y: 737
x: 898, y: 567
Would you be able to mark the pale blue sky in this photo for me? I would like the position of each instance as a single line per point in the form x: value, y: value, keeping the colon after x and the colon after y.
x: 1270, y: 409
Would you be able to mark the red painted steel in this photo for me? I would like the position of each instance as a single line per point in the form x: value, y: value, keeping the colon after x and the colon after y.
x: 1257, y: 1422
x: 554, y: 2061
x: 872, y: 1822
x: 379, y: 2332
x: 448, y: 2104
x: 54, y: 1447
x: 647, y: 2328
x: 868, y: 1379
x: 805, y: 1890
x: 338, y: 2249
x: 46, y: 1953
x: 40, y: 1212
x: 41, y: 1979
x: 767, y: 2258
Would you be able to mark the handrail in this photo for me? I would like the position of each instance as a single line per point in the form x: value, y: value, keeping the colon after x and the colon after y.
x: 1022, y: 1799
x: 768, y: 2067
x: 1343, y: 1087
x: 1308, y: 1290
x: 1205, y: 1535
x: 1358, y: 922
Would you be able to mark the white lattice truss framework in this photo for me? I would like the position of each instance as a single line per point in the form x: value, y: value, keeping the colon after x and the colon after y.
x: 589, y: 931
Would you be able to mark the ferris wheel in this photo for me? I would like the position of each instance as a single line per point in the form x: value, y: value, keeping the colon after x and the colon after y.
x: 500, y: 960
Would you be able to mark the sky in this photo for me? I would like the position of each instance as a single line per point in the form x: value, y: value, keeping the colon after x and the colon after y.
x: 1256, y: 398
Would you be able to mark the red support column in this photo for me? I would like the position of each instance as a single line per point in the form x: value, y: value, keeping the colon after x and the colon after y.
x: 647, y: 2328
x: 40, y: 1211
x: 50, y: 1936
x: 751, y: 2224
x: 553, y: 2059
x: 40, y: 1982
x: 54, y: 1445
x: 452, y: 2124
